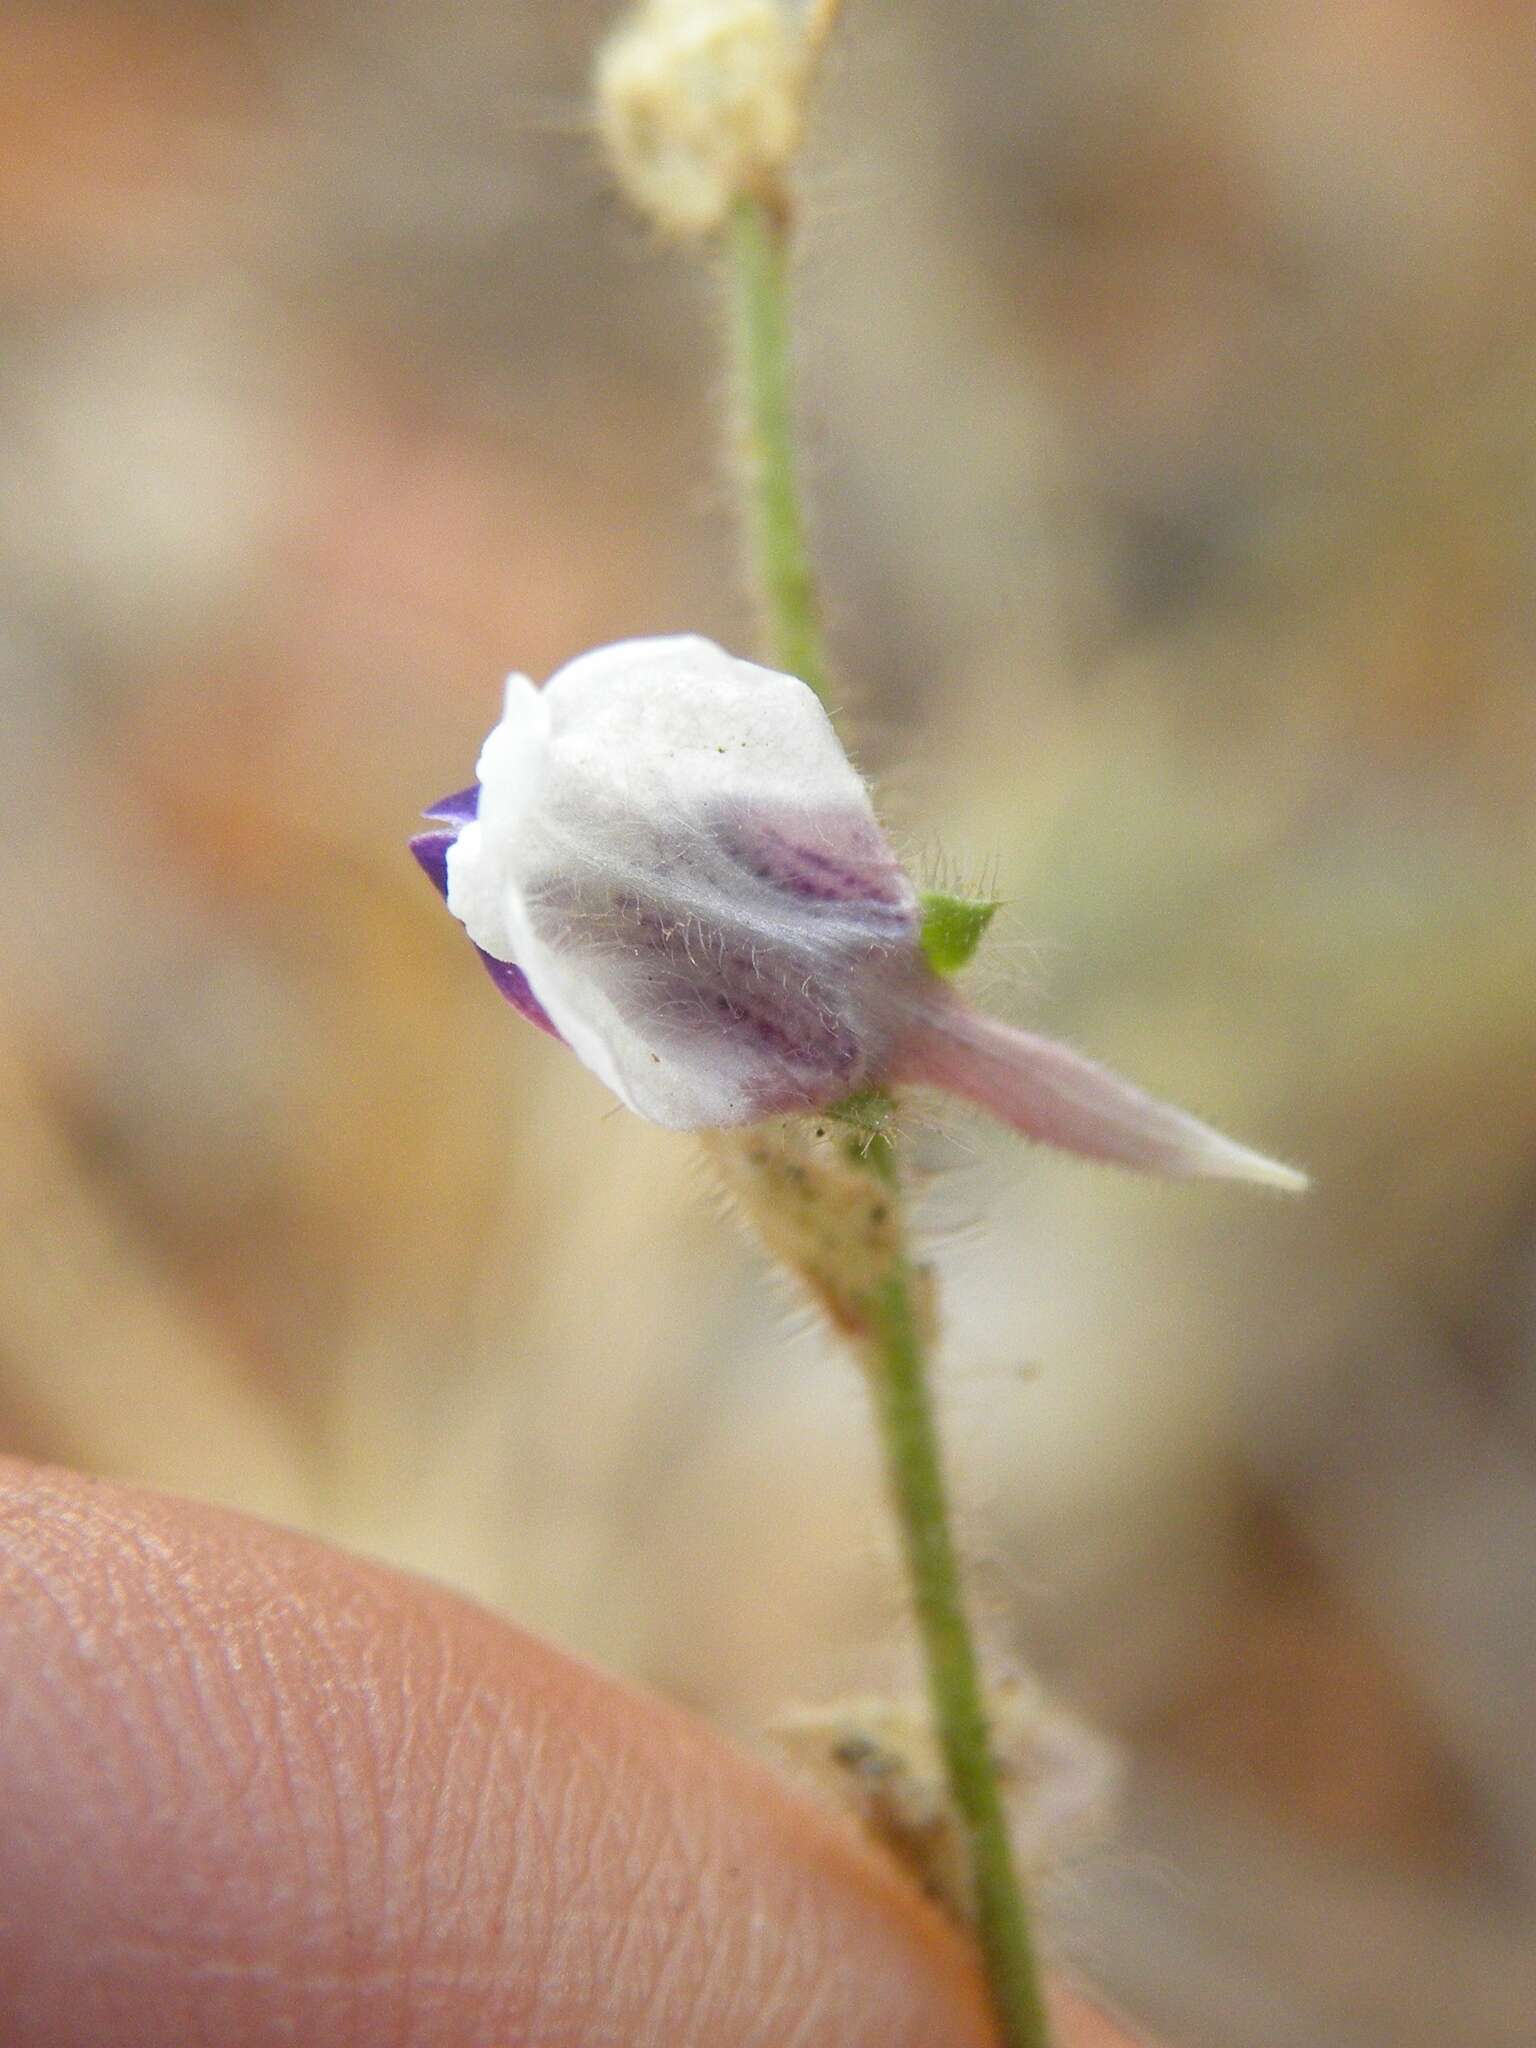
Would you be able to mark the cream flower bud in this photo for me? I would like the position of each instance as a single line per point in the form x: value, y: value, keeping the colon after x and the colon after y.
x: 701, y: 102
x: 670, y: 863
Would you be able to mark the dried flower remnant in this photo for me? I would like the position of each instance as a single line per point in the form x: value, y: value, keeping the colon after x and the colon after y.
x: 879, y: 1759
x: 670, y: 863
x: 807, y: 1187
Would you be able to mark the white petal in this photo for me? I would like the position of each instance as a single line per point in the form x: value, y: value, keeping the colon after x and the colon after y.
x: 510, y: 771
x: 679, y: 718
x: 673, y: 847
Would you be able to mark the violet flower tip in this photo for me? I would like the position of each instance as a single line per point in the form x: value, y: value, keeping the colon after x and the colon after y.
x: 430, y: 850
x: 458, y: 809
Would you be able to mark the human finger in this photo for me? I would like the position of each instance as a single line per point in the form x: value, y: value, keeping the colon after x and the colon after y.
x: 257, y: 1791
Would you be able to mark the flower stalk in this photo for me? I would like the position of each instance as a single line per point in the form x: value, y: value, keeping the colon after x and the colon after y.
x: 890, y: 1321
x: 780, y: 552
x: 909, y: 1437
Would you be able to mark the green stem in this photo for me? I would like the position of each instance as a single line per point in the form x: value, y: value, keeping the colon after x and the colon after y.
x: 759, y: 246
x: 896, y: 1348
x: 915, y: 1476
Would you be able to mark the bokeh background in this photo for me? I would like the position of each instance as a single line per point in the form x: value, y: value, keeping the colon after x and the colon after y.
x: 1170, y: 394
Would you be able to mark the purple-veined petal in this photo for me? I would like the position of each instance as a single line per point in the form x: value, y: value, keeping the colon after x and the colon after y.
x: 676, y: 850
x: 833, y: 860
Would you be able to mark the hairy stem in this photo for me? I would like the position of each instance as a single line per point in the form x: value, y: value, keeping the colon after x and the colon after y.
x: 890, y: 1324
x: 915, y: 1477
x: 781, y: 561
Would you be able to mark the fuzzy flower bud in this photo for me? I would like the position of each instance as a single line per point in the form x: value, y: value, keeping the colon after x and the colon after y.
x: 670, y: 863
x: 701, y: 103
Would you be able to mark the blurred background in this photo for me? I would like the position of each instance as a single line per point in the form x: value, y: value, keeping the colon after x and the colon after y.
x: 1170, y: 393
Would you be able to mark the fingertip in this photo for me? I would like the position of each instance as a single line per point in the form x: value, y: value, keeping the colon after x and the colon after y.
x: 258, y: 1791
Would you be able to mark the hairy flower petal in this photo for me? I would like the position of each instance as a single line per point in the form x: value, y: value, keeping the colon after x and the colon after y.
x: 675, y: 849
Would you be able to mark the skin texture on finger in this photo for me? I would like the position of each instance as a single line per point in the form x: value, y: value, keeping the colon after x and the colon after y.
x: 255, y: 1791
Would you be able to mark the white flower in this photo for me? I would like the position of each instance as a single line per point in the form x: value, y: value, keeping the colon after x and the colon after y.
x: 673, y: 848
x: 671, y: 864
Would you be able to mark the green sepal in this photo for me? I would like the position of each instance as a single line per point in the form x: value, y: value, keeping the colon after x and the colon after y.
x: 952, y: 929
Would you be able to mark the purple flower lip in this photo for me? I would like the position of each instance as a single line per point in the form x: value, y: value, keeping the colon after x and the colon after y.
x: 431, y: 852
x: 459, y: 809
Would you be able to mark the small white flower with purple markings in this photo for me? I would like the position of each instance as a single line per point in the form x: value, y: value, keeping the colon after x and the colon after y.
x: 670, y: 863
